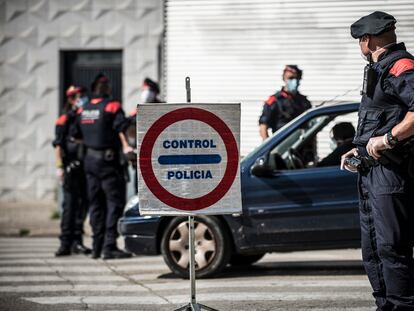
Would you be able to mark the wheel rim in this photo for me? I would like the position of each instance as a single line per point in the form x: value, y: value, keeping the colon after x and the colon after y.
x: 205, y: 245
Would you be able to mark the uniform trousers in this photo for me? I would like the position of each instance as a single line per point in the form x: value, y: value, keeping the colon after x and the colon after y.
x: 387, y: 227
x: 107, y: 198
x: 74, y: 207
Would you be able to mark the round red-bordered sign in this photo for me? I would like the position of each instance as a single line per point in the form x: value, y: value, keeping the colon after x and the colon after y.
x: 145, y: 160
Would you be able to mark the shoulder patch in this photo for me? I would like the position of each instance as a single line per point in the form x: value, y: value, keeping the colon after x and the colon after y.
x: 271, y: 100
x: 401, y: 66
x: 62, y: 119
x: 95, y: 101
x: 112, y: 107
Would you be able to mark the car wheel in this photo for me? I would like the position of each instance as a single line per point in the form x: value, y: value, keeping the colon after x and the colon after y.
x: 212, y: 246
x: 245, y: 260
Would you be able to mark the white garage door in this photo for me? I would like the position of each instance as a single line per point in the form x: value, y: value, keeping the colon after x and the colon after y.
x: 235, y: 51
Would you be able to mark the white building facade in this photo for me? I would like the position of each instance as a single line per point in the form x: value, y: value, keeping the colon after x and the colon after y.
x: 33, y: 35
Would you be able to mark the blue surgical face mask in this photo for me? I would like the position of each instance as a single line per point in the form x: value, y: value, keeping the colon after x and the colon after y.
x: 292, y: 85
x: 82, y: 101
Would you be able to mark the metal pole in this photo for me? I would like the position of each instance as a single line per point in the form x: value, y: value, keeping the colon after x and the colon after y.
x: 193, y: 305
x: 188, y: 89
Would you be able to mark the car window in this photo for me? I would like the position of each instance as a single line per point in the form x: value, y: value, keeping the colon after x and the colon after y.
x: 310, y: 143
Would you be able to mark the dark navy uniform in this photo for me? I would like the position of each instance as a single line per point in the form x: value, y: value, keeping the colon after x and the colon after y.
x: 386, y: 187
x: 74, y: 207
x: 99, y: 123
x: 282, y: 107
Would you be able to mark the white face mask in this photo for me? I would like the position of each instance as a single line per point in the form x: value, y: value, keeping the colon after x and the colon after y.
x: 147, y: 96
x: 364, y: 57
x: 367, y: 57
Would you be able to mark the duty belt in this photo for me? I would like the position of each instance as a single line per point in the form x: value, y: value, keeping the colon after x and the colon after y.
x: 106, y: 154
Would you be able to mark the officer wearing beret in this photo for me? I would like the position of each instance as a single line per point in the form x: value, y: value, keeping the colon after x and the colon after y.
x: 384, y: 141
x: 101, y: 124
x: 285, y: 105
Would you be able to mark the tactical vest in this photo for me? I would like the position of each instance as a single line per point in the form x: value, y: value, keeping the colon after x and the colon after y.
x: 97, y: 126
x: 379, y: 114
x: 287, y: 108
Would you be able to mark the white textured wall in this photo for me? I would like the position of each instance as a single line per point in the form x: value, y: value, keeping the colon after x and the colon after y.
x: 32, y: 32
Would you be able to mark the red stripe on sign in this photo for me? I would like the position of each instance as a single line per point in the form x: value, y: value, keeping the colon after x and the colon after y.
x: 147, y: 171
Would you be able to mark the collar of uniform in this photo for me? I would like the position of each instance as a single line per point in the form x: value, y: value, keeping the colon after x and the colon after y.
x: 285, y: 94
x: 391, y: 49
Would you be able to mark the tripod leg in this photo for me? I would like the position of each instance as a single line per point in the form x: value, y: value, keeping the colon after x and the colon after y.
x: 184, y: 308
x: 203, y: 307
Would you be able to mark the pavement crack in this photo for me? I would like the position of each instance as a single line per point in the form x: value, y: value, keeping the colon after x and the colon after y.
x: 67, y: 280
x: 133, y: 281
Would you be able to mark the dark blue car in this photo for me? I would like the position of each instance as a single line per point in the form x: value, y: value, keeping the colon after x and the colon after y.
x: 290, y: 203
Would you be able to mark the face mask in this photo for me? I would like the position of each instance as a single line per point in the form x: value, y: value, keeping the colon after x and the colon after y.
x: 82, y: 101
x: 147, y: 96
x: 364, y: 57
x: 292, y: 85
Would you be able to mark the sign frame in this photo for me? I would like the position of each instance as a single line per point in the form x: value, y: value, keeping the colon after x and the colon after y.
x: 173, y: 204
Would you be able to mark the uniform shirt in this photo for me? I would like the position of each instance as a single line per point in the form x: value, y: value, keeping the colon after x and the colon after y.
x: 63, y: 127
x: 99, y: 123
x: 394, y: 90
x: 282, y: 107
x: 400, y: 77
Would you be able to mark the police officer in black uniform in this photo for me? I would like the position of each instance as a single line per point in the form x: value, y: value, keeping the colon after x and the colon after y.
x: 285, y: 105
x: 150, y: 92
x: 71, y: 174
x: 101, y: 124
x: 386, y: 169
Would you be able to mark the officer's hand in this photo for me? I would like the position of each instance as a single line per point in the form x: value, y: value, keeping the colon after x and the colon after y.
x: 60, y: 174
x: 351, y: 153
x: 375, y: 146
x: 127, y: 149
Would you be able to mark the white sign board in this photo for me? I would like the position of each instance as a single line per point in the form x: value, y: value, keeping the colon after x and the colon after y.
x: 188, y: 159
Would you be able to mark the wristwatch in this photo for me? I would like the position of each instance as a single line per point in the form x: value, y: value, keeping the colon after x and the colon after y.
x: 392, y: 140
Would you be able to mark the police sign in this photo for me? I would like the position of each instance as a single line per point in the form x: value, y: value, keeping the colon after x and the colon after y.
x: 188, y: 159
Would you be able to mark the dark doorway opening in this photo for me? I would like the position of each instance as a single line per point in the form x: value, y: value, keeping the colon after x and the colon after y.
x: 81, y: 67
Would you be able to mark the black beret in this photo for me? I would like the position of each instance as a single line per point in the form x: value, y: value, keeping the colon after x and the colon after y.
x: 373, y: 24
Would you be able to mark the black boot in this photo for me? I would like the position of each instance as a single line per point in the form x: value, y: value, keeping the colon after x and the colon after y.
x: 116, y: 253
x: 63, y: 251
x: 79, y: 248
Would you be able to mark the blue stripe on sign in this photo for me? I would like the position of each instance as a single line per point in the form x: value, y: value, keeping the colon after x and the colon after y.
x: 190, y: 159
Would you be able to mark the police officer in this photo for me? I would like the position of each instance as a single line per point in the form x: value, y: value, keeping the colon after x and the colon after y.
x: 101, y: 123
x: 386, y: 177
x: 150, y: 92
x: 285, y: 105
x: 70, y: 172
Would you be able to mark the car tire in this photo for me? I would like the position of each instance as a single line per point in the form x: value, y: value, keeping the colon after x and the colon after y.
x: 212, y: 246
x: 245, y: 260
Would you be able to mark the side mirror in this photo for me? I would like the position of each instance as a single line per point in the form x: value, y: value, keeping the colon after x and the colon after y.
x: 261, y: 168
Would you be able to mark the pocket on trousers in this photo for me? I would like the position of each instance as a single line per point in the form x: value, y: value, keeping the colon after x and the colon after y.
x: 386, y: 181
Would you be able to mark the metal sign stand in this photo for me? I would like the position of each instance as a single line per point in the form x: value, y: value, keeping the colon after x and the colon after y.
x: 193, y: 305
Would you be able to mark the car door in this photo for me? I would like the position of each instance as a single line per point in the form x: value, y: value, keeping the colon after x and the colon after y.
x: 302, y: 207
x: 317, y: 205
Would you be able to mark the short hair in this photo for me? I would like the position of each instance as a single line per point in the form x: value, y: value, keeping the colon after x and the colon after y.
x: 343, y: 131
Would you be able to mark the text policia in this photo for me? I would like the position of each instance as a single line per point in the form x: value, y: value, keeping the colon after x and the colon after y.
x: 189, y: 159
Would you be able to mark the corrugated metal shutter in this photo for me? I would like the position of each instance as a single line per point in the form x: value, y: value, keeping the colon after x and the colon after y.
x: 235, y: 51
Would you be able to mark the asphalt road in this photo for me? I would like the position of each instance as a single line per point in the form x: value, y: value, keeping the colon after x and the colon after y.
x: 31, y: 278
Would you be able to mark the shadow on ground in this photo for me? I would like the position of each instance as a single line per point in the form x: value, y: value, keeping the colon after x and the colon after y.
x: 289, y: 268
